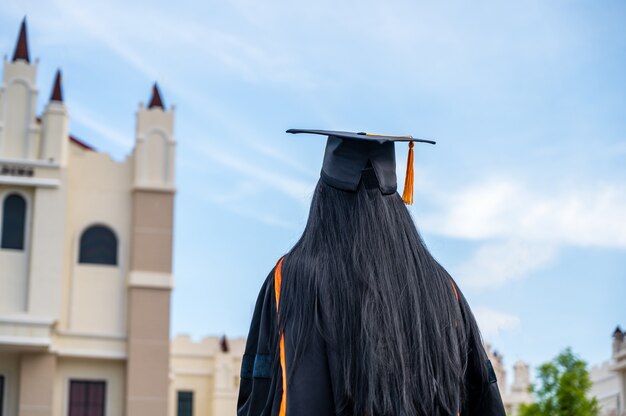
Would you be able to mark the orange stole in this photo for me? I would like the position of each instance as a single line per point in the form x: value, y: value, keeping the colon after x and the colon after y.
x: 283, y: 364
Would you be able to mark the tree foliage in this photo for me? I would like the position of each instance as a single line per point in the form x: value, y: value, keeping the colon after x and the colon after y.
x: 562, y: 389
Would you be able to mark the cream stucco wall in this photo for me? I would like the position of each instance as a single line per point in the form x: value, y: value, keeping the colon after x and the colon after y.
x: 618, y: 367
x: 210, y: 373
x: 112, y: 372
x: 99, y: 194
x: 55, y: 124
x: 46, y: 254
x: 155, y: 149
x: 10, y: 369
x: 19, y: 135
x: 605, y: 387
x: 14, y: 276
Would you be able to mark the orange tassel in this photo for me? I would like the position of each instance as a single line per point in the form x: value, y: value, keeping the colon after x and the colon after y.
x: 407, y: 195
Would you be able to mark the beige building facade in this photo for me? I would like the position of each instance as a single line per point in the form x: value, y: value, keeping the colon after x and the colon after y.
x: 515, y: 392
x: 85, y: 258
x: 609, y: 379
x: 206, y: 373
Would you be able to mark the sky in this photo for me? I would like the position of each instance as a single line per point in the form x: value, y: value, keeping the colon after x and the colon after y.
x: 523, y: 199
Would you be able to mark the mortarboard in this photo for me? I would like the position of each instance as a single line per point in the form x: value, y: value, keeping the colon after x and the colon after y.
x: 348, y: 154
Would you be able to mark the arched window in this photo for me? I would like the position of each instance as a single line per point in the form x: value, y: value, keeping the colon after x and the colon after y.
x: 13, y: 222
x: 98, y: 245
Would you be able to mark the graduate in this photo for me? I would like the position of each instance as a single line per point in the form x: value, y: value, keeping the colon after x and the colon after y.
x: 358, y: 318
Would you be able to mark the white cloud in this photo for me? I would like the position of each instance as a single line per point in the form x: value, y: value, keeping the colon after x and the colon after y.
x: 508, y: 209
x: 494, y: 264
x: 492, y: 322
x: 520, y: 230
x: 252, y: 58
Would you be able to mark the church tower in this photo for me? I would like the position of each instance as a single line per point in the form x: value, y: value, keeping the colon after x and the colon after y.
x: 19, y: 131
x: 54, y: 145
x: 85, y: 256
x: 151, y: 281
x: 154, y: 146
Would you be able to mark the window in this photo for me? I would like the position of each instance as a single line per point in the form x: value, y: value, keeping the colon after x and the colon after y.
x: 185, y: 403
x: 1, y: 394
x: 98, y: 245
x: 87, y: 398
x: 13, y: 222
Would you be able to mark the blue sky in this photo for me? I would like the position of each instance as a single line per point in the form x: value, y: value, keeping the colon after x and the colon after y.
x: 523, y: 199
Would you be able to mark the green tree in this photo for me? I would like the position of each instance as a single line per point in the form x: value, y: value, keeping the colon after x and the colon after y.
x: 562, y: 389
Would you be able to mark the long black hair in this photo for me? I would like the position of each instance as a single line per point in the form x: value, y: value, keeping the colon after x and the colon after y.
x: 362, y: 276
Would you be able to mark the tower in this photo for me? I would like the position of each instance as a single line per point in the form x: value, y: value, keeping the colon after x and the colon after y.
x: 33, y: 196
x: 618, y: 340
x: 521, y: 377
x: 619, y: 367
x: 154, y: 146
x: 32, y: 189
x: 85, y: 256
x: 19, y: 131
x: 150, y: 280
x: 54, y: 125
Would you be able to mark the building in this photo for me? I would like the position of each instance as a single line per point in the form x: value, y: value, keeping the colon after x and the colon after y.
x: 605, y: 388
x: 205, y: 375
x: 609, y: 379
x: 85, y: 258
x: 517, y: 392
x: 619, y: 367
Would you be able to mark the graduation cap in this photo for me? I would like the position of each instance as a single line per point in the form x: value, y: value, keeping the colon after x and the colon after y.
x: 348, y: 154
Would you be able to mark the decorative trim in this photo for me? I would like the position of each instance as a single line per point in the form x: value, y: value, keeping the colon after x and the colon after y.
x: 31, y: 85
x: 151, y: 279
x: 262, y: 366
x: 25, y: 341
x: 30, y: 163
x: 155, y: 188
x: 26, y: 320
x: 85, y: 353
x: 55, y: 107
x: 78, y: 334
x: 42, y: 182
x: 247, y: 366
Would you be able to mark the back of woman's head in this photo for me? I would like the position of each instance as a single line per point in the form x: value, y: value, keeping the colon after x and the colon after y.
x: 362, y: 276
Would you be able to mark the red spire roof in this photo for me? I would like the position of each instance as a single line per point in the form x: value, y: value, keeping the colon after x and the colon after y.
x: 156, y: 100
x: 21, y: 49
x: 57, y: 92
x: 224, y: 344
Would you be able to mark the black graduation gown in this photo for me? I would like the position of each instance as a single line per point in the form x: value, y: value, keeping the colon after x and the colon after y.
x: 313, y: 388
